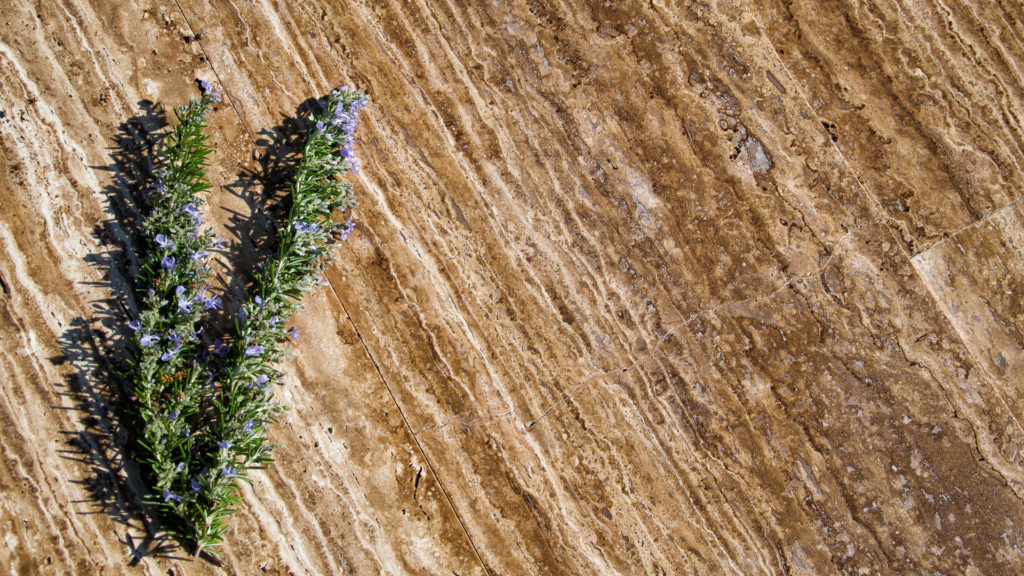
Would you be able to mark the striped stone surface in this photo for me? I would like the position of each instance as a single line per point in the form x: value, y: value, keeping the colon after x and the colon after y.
x: 637, y: 288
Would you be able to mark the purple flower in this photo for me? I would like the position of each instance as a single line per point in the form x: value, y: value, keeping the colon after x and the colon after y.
x: 208, y: 91
x: 164, y: 242
x: 303, y: 227
x: 224, y: 445
x: 174, y: 415
x: 179, y: 467
x: 294, y: 332
x: 347, y: 228
x: 168, y: 496
x: 258, y: 301
x: 166, y: 356
x: 212, y: 303
x: 242, y: 314
x: 168, y: 262
x: 248, y: 427
x: 159, y: 186
x: 198, y: 257
x: 261, y: 379
x: 274, y: 320
x: 229, y: 472
x: 148, y: 339
x: 254, y: 350
x: 196, y: 486
x: 194, y: 212
x: 135, y: 325
x: 319, y: 125
x: 185, y: 305
x: 218, y: 243
x: 220, y: 349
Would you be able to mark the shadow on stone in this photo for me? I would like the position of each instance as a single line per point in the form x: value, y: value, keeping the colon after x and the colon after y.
x: 266, y: 192
x: 95, y: 347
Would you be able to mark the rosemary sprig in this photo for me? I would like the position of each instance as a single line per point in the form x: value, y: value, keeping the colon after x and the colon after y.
x: 243, y: 405
x: 168, y: 384
x: 202, y: 428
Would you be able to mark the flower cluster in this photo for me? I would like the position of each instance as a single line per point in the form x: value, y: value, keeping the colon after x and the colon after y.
x: 205, y: 416
x: 342, y: 116
x: 208, y: 91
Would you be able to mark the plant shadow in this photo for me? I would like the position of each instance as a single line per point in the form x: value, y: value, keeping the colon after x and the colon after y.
x: 95, y: 346
x: 265, y: 191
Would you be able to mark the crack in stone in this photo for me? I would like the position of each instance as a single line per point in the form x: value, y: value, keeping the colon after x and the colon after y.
x: 464, y: 422
x: 977, y: 222
x: 415, y: 439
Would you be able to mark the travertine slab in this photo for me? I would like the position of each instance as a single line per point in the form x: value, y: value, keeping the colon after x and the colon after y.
x: 647, y: 287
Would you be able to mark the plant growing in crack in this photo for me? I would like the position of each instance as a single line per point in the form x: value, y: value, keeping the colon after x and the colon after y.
x: 205, y: 416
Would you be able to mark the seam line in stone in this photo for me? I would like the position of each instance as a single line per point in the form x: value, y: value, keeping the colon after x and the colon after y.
x: 977, y: 222
x: 408, y: 427
x: 224, y: 88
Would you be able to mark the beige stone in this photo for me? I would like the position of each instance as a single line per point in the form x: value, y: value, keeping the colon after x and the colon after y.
x: 647, y: 287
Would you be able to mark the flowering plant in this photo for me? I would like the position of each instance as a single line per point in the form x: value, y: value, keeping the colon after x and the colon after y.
x: 205, y: 416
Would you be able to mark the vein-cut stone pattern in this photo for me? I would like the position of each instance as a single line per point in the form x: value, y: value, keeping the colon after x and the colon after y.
x: 643, y: 287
